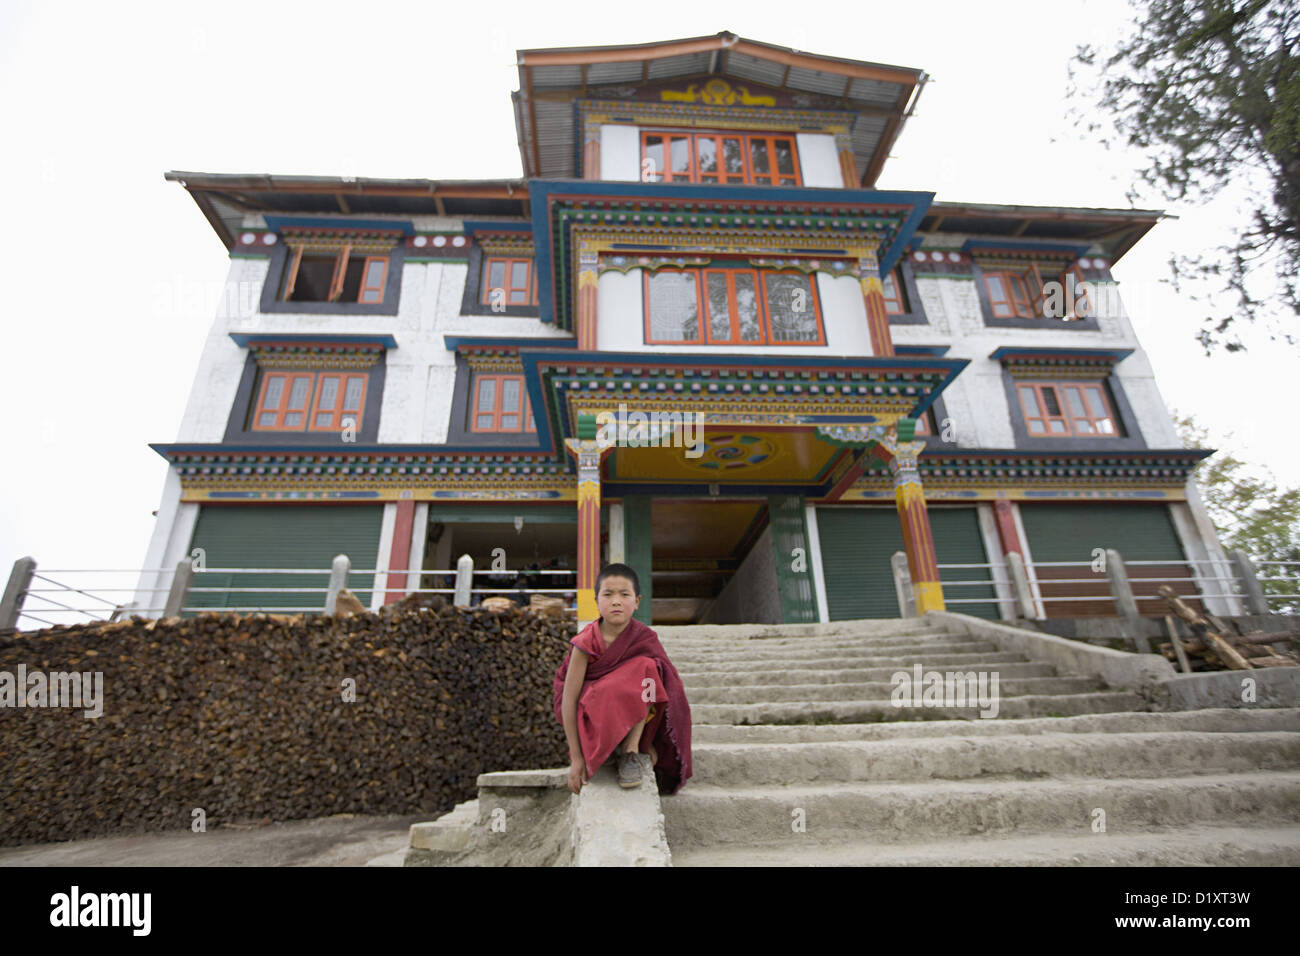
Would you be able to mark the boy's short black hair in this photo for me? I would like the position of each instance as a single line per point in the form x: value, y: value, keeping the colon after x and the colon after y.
x: 619, y: 571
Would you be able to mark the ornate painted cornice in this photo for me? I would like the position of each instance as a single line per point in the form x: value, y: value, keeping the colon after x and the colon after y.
x: 573, y: 219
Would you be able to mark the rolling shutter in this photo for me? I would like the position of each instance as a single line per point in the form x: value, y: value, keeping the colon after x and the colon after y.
x: 957, y: 540
x: 856, y: 547
x: 858, y: 543
x: 283, y: 536
x: 1139, y: 532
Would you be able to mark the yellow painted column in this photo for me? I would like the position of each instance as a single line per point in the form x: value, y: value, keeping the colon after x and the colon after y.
x: 588, y: 453
x: 873, y: 296
x: 918, y: 541
x: 588, y: 281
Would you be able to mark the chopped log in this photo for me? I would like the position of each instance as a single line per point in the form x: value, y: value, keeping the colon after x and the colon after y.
x: 1183, y: 663
x: 1226, y: 652
x: 497, y: 604
x: 1273, y: 661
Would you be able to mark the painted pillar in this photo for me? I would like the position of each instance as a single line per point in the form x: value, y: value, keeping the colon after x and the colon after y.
x: 909, y: 498
x: 588, y: 453
x: 591, y: 151
x: 873, y: 294
x: 848, y: 164
x: 586, y: 297
x: 400, y: 554
x: 1004, y: 517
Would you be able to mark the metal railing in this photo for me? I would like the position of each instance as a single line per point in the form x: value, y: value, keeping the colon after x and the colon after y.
x: 1018, y: 584
x: 27, y: 596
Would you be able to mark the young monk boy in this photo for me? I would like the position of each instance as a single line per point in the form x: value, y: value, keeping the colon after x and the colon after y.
x: 617, y: 693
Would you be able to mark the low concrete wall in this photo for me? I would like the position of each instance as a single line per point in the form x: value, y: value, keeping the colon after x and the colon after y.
x: 1118, y: 633
x: 1117, y: 668
x: 1271, y: 687
x: 529, y: 818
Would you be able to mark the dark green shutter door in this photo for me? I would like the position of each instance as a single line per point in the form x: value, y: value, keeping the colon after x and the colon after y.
x: 283, y: 536
x: 1139, y: 532
x: 957, y: 540
x: 1071, y: 532
x: 856, y: 547
x: 858, y: 543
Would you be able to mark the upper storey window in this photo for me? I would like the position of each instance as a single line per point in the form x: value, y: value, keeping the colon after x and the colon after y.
x: 341, y: 276
x: 508, y: 281
x: 719, y: 306
x: 1034, y: 292
x: 681, y: 156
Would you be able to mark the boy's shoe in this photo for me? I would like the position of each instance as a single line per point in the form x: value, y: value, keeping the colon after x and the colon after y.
x: 629, y: 770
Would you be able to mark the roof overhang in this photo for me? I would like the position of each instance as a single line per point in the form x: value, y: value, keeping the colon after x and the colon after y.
x: 1115, y: 230
x: 226, y: 198
x: 551, y: 81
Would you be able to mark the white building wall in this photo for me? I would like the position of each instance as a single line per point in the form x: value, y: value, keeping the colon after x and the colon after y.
x: 819, y: 160
x: 620, y: 152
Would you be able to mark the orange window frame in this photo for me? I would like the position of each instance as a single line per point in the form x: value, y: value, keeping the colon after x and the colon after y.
x: 338, y: 414
x: 692, y: 174
x: 281, y: 410
x: 733, y: 310
x: 339, y: 276
x: 699, y: 307
x: 894, y: 304
x: 526, y: 423
x: 1068, y: 418
x: 376, y: 287
x: 529, y: 290
x: 1013, y: 306
x: 703, y: 313
x: 769, y: 336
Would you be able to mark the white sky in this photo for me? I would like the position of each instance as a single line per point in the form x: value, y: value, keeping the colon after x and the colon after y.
x: 113, y: 273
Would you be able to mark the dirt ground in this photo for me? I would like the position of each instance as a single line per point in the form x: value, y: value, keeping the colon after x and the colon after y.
x: 340, y: 840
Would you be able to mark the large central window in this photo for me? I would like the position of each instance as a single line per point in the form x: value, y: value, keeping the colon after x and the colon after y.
x: 768, y: 159
x: 722, y: 306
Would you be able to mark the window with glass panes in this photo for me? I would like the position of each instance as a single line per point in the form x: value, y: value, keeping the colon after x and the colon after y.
x: 1067, y: 409
x: 501, y: 404
x: 341, y: 276
x: 731, y: 306
x: 310, y: 401
x: 1024, y: 293
x: 895, y: 298
x: 686, y: 156
x: 508, y: 281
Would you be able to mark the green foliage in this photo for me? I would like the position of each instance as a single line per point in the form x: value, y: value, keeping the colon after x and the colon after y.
x: 1250, y: 511
x: 1210, y: 91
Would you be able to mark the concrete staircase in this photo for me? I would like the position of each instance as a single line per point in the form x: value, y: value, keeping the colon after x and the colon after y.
x: 801, y: 758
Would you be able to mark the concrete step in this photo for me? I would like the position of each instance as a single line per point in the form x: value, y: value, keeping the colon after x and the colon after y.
x: 1214, y: 721
x: 816, y: 640
x: 700, y: 680
x: 882, y: 690
x: 824, y: 656
x: 713, y: 632
x: 867, y: 711
x: 1190, y: 846
x: 1132, y: 755
x: 891, y: 662
x: 707, y: 815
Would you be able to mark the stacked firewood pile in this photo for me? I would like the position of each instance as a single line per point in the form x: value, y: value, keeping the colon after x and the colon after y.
x: 237, y: 719
x: 1214, y: 646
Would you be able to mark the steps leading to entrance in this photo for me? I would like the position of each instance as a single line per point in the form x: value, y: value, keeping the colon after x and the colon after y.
x: 801, y: 758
